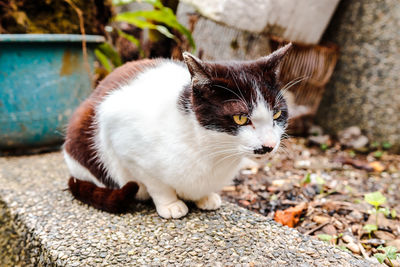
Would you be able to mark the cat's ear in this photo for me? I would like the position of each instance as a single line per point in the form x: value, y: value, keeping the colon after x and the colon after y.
x: 196, y: 68
x: 270, y: 63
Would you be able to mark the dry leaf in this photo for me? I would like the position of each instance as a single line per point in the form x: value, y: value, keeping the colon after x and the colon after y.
x: 377, y: 166
x: 291, y: 216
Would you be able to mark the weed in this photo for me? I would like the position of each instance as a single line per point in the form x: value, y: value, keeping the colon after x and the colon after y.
x: 389, y: 253
x: 378, y: 154
x: 376, y: 199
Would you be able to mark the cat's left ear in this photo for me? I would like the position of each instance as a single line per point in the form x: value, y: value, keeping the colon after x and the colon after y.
x: 270, y: 63
x: 196, y: 68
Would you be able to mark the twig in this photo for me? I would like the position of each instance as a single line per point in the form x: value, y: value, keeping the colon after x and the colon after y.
x: 82, y: 29
x: 316, y: 228
x: 363, y: 252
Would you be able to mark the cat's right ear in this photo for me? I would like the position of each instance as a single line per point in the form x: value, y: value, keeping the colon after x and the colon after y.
x: 196, y: 68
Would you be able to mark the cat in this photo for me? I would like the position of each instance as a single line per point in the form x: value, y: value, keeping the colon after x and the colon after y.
x: 172, y: 131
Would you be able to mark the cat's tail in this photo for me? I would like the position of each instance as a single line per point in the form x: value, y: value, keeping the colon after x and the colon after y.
x: 110, y: 200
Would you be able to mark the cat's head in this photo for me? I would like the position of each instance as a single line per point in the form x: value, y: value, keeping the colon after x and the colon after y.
x: 242, y: 99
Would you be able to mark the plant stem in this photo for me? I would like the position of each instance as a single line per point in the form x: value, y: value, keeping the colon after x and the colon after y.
x: 376, y: 216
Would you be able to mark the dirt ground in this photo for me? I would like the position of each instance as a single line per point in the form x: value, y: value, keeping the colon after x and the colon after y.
x: 320, y: 189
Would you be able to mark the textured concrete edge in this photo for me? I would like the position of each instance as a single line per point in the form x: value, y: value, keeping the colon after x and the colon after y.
x: 19, y: 245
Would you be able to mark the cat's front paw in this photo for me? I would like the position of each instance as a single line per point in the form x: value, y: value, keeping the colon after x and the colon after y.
x: 210, y: 202
x: 174, y: 210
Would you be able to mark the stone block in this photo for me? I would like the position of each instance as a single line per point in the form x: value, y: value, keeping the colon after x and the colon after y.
x: 365, y: 87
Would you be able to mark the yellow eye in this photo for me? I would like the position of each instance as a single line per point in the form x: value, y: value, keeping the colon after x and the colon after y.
x: 277, y: 115
x: 240, y: 119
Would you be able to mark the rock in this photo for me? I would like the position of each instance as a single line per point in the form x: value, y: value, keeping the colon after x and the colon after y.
x: 315, y: 130
x: 338, y: 224
x: 320, y: 139
x: 373, y: 241
x: 352, y: 137
x: 302, y: 164
x: 355, y: 216
x: 347, y: 239
x: 353, y: 247
x: 321, y: 219
x: 383, y: 222
x: 384, y: 235
x: 394, y: 243
x: 329, y: 229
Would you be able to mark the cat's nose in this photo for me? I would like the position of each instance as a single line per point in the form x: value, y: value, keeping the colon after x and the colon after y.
x: 263, y: 150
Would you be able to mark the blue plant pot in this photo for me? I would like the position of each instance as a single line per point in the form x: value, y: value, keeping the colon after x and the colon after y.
x: 42, y: 80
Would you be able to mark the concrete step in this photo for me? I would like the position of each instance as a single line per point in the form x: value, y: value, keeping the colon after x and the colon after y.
x: 41, y: 225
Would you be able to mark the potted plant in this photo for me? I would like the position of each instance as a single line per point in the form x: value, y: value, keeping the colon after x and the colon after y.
x: 46, y: 58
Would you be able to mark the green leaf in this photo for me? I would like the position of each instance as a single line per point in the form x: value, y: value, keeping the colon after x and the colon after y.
x: 390, y: 252
x: 325, y: 237
x: 380, y: 257
x: 324, y: 147
x: 121, y: 2
x: 374, y: 145
x: 155, y: 3
x: 111, y: 54
x: 393, y: 213
x: 376, y: 198
x: 385, y: 211
x: 386, y: 145
x: 133, y: 40
x: 370, y: 227
x: 130, y: 38
x: 378, y: 154
x: 319, y: 180
x: 306, y: 179
x: 273, y: 198
x: 103, y: 59
x: 164, y: 30
x: 163, y: 15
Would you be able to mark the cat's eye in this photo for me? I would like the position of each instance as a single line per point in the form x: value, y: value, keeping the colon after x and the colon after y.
x: 277, y: 115
x: 240, y: 119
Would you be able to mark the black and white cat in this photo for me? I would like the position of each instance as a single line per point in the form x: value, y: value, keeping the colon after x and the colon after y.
x: 173, y: 131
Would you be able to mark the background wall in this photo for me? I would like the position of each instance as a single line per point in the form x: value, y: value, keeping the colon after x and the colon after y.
x: 365, y: 87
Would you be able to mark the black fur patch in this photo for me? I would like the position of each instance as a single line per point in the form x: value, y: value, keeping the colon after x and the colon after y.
x: 219, y: 91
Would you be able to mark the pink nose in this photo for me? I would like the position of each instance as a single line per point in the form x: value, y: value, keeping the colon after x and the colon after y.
x: 270, y: 144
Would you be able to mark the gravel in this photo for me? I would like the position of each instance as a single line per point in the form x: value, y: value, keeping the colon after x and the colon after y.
x: 40, y: 224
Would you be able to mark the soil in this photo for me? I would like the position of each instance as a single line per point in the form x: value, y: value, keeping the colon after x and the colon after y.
x: 53, y: 16
x: 321, y: 192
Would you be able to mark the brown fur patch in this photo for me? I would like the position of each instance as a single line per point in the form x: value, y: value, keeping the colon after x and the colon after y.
x: 110, y: 200
x: 82, y: 127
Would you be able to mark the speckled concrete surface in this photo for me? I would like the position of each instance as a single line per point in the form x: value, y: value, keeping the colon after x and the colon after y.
x: 40, y: 224
x: 365, y: 87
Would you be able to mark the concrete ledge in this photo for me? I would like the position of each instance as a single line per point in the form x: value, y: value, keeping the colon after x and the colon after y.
x: 40, y: 224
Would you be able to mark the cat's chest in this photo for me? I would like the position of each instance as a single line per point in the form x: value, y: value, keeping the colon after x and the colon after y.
x: 205, y: 176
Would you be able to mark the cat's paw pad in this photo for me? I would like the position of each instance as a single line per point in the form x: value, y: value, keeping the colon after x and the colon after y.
x: 174, y: 210
x: 210, y: 202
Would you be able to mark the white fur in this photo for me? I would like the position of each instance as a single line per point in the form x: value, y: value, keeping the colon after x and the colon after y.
x: 78, y: 171
x: 144, y: 137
